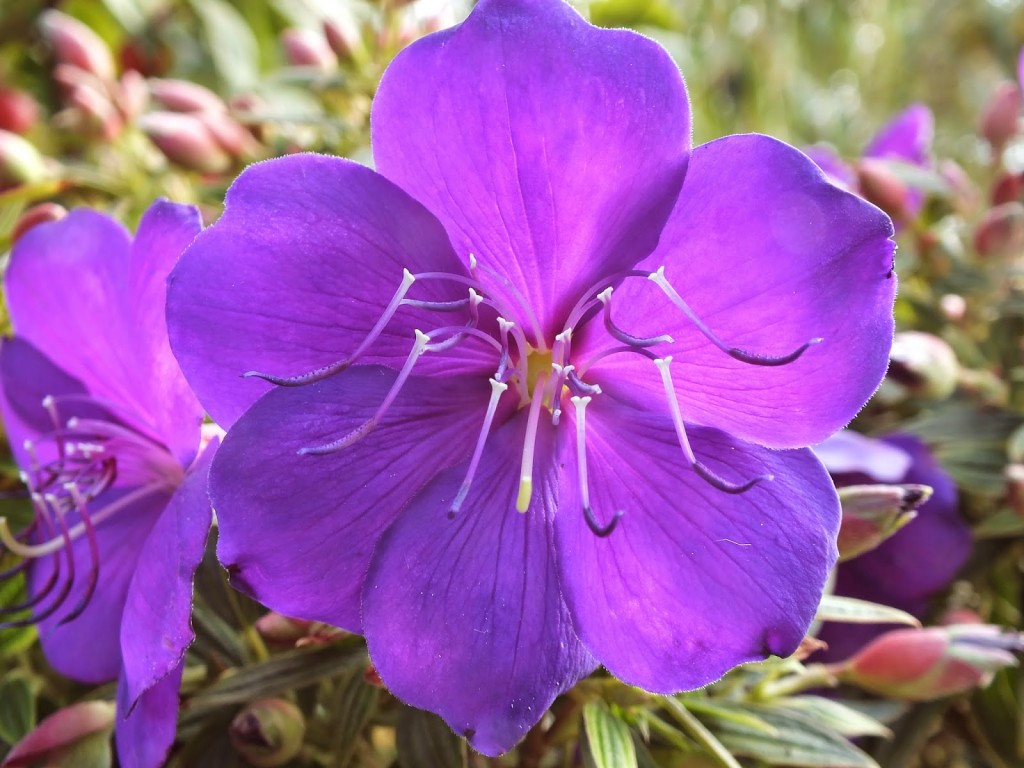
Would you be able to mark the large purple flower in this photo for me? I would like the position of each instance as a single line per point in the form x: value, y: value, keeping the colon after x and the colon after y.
x: 907, y: 570
x: 482, y: 426
x: 106, y: 432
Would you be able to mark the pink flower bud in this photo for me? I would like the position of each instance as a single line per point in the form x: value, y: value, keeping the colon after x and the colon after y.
x: 879, y: 185
x: 926, y: 664
x: 231, y: 135
x: 1001, y: 231
x: 20, y: 161
x: 343, y: 38
x: 1000, y: 120
x: 18, y: 111
x: 268, y: 732
x: 74, y: 43
x: 282, y: 630
x: 873, y: 513
x: 183, y: 96
x: 37, y: 214
x: 953, y: 306
x: 306, y: 48
x: 1007, y: 188
x: 924, y: 365
x: 98, y: 108
x: 185, y: 140
x: 132, y: 95
x: 61, y: 733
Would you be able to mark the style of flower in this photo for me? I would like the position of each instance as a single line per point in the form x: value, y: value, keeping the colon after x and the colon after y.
x: 920, y: 560
x: 525, y: 399
x: 106, y: 432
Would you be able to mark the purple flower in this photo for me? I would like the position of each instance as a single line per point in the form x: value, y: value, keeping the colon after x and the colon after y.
x: 106, y: 432
x: 482, y: 426
x: 907, y: 570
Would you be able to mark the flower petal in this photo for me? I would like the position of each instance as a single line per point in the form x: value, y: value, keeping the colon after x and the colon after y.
x: 838, y: 170
x: 145, y: 735
x: 464, y: 616
x: 848, y: 451
x: 297, y: 532
x: 770, y: 260
x: 156, y: 628
x: 693, y: 580
x: 172, y: 411
x: 293, y: 277
x: 907, y: 137
x: 549, y: 148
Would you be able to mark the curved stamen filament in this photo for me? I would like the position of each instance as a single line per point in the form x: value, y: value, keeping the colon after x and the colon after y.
x: 581, y: 464
x: 357, y: 434
x: 605, y: 297
x: 579, y: 387
x: 508, y: 328
x: 518, y: 299
x: 497, y: 390
x: 753, y: 358
x: 107, y: 429
x: 94, y: 555
x: 677, y: 419
x: 559, y: 374
x: 529, y: 445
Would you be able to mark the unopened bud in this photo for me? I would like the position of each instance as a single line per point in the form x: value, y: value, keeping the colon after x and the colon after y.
x: 924, y: 365
x: 132, y: 95
x: 953, y: 306
x: 185, y: 140
x: 963, y: 192
x: 20, y: 161
x: 268, y: 732
x: 281, y: 630
x: 873, y: 513
x: 1007, y: 188
x: 63, y: 734
x: 98, y: 108
x: 74, y: 43
x: 1001, y: 231
x: 1000, y: 120
x: 879, y: 185
x: 343, y: 38
x: 231, y: 135
x: 930, y: 663
x: 18, y: 111
x: 306, y: 48
x: 36, y: 215
x: 183, y: 96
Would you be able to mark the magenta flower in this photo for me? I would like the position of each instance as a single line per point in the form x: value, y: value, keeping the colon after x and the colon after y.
x: 526, y: 400
x: 907, y: 570
x: 106, y: 432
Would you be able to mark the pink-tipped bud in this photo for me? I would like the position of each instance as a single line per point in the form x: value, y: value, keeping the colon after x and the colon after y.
x: 963, y: 192
x: 231, y: 135
x: 307, y: 48
x: 1001, y: 119
x: 953, y: 306
x: 282, y: 630
x: 183, y: 96
x: 18, y: 111
x: 1007, y: 188
x: 74, y: 43
x: 132, y: 95
x: 36, y: 215
x: 98, y: 109
x: 930, y: 663
x: 185, y: 140
x: 923, y: 365
x: 343, y: 39
x: 879, y: 185
x: 20, y: 161
x: 873, y: 513
x: 268, y: 732
x: 1001, y: 231
x: 64, y: 734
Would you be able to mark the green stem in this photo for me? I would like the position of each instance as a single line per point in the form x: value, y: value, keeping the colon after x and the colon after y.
x: 697, y: 731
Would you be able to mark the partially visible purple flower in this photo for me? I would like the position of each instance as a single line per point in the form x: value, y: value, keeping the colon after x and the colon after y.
x: 535, y: 395
x: 106, y: 433
x: 910, y: 568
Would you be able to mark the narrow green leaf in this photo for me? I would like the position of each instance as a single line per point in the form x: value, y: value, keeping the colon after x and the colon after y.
x: 697, y: 731
x: 17, y: 707
x: 608, y: 743
x: 351, y: 706
x: 729, y: 712
x: 852, y: 611
x: 833, y: 714
x: 423, y: 738
x: 231, y: 43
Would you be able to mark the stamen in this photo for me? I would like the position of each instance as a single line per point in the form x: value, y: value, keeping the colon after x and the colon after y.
x: 605, y: 297
x: 529, y: 444
x: 368, y: 426
x: 753, y: 358
x: 507, y: 327
x: 558, y: 382
x: 51, y: 408
x: 319, y: 374
x: 497, y: 389
x: 94, y: 554
x: 677, y: 419
x: 599, y: 530
x: 518, y: 299
x: 579, y: 387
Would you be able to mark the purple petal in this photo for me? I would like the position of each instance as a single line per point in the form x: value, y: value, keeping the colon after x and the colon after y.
x: 293, y: 277
x: 156, y: 629
x: 848, y: 451
x: 464, y: 617
x: 907, y: 137
x: 144, y: 737
x: 88, y: 648
x: 693, y: 581
x: 310, y: 560
x: 173, y: 412
x: 550, y: 149
x: 838, y: 171
x: 770, y: 260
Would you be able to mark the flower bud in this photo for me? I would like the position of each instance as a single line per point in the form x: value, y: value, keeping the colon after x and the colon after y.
x: 953, y: 306
x: 873, y: 513
x: 183, y: 96
x: 963, y: 192
x: 1001, y: 231
x: 63, y: 732
x: 879, y: 185
x: 268, y: 732
x: 281, y: 630
x: 926, y: 664
x: 343, y: 38
x: 18, y: 111
x: 1000, y: 119
x: 132, y: 95
x: 185, y: 140
x: 74, y: 43
x: 1007, y: 188
x: 231, y: 135
x: 37, y: 214
x: 306, y: 48
x: 924, y: 365
x: 20, y: 161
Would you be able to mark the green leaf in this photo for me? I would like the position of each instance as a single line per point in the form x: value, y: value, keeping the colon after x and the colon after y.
x: 729, y: 712
x: 848, y: 610
x: 423, y: 738
x: 231, y: 43
x: 17, y: 707
x: 608, y: 743
x: 351, y: 705
x: 18, y: 639
x: 93, y: 751
x: 834, y: 715
x: 697, y: 731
